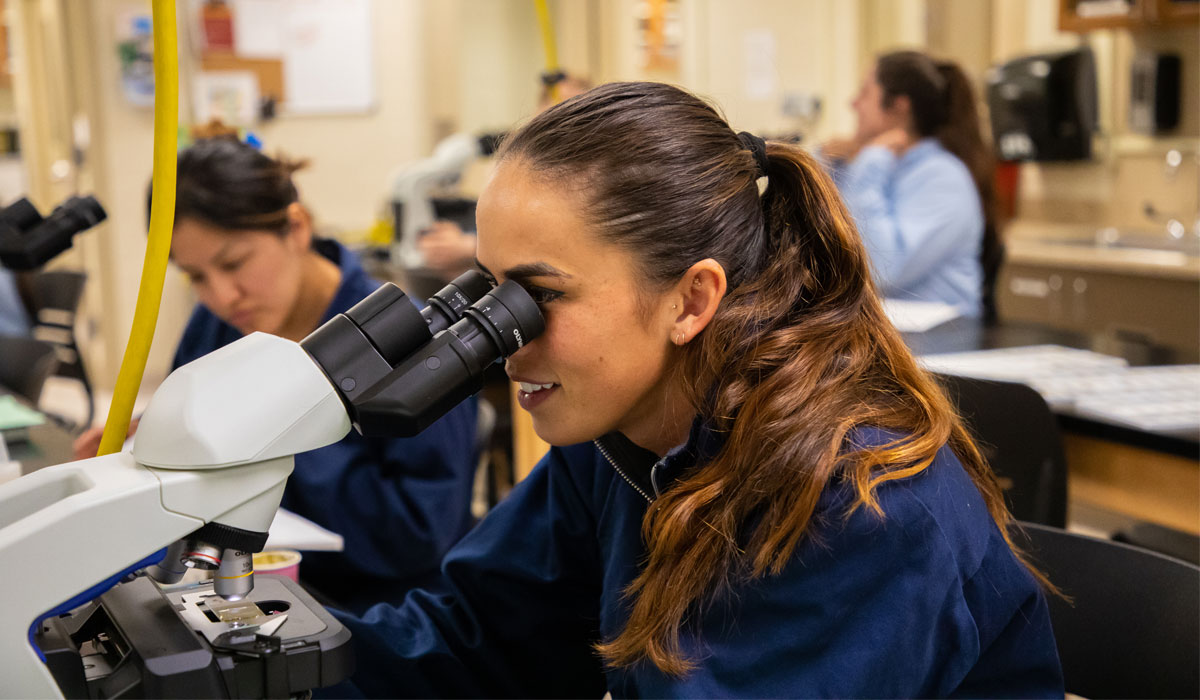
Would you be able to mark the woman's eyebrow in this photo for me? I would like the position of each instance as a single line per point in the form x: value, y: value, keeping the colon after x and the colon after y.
x: 527, y: 270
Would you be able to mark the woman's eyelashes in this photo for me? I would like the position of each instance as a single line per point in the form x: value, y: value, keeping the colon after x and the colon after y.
x: 541, y: 295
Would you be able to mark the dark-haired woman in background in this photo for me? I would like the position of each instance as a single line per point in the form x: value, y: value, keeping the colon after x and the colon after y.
x: 247, y: 245
x: 917, y: 177
x: 754, y: 490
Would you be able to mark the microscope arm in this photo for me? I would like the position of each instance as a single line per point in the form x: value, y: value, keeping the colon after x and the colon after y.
x: 91, y: 520
x: 215, y: 446
x: 412, y: 185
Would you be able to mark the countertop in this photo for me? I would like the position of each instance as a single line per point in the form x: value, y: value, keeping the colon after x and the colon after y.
x: 1077, y: 247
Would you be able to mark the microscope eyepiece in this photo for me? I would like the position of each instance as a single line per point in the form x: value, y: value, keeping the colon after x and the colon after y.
x: 449, y: 368
x: 450, y: 302
x: 358, y: 348
x: 507, y: 315
x: 397, y: 369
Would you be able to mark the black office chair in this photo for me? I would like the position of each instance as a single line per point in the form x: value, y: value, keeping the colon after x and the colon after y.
x: 1019, y: 437
x: 54, y: 304
x: 1132, y: 628
x: 990, y: 260
x: 25, y: 363
x: 484, y: 496
x: 1161, y: 539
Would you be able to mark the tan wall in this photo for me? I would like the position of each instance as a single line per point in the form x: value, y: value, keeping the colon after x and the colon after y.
x: 353, y: 157
x: 815, y: 46
x: 446, y: 65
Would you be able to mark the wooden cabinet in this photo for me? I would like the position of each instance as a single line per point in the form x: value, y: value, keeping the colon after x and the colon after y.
x: 1158, y: 310
x: 1086, y: 15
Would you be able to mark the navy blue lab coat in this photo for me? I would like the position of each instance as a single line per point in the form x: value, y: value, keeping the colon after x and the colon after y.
x: 399, y: 503
x: 927, y: 602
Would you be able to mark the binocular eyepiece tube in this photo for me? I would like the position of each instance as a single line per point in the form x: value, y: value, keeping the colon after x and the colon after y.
x: 398, y: 369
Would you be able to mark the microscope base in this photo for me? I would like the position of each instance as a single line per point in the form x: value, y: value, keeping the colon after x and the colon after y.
x: 136, y: 641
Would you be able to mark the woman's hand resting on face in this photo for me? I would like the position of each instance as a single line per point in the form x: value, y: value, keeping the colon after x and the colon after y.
x: 840, y: 149
x: 898, y: 140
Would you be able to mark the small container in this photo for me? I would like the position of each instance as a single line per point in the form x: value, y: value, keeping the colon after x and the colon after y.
x: 285, y: 562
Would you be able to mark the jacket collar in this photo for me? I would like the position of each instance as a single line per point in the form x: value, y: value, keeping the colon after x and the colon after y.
x: 652, y: 475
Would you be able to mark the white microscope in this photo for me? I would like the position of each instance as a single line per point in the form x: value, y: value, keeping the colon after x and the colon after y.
x: 199, y: 490
x: 413, y: 184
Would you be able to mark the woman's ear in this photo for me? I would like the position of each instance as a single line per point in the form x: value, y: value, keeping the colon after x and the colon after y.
x: 699, y: 292
x: 901, y: 110
x: 300, y: 227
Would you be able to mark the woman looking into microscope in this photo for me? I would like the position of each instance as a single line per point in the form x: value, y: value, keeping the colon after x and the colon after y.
x: 754, y: 490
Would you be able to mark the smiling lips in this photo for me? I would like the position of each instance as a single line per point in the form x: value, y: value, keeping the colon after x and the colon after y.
x: 532, y: 394
x: 241, y: 314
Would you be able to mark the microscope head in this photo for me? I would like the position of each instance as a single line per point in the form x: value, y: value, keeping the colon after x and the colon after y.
x: 27, y: 241
x: 229, y: 423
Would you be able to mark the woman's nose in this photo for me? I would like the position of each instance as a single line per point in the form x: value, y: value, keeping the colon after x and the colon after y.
x: 223, y: 292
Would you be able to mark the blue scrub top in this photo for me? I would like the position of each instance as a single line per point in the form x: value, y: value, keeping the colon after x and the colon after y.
x: 927, y: 601
x: 399, y: 503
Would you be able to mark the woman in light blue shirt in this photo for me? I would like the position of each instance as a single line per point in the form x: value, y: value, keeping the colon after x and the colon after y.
x: 917, y: 176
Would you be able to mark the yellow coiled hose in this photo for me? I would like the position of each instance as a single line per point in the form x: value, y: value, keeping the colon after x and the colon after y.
x: 543, y: 12
x: 162, y: 217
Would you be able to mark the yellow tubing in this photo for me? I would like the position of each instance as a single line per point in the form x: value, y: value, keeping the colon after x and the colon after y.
x: 548, y: 42
x: 162, y: 217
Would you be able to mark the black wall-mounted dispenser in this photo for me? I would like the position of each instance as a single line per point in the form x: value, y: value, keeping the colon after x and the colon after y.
x: 1043, y: 107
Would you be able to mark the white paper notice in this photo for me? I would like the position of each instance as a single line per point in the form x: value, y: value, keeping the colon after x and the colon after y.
x: 327, y: 66
x: 761, y: 79
x: 258, y: 28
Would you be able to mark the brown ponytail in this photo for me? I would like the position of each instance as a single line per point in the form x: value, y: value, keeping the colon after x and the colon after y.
x: 798, y: 354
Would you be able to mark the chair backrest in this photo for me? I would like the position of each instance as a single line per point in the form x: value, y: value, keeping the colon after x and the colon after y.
x: 1132, y: 628
x: 25, y: 363
x: 56, y: 290
x: 54, y: 298
x: 990, y: 260
x: 1019, y: 436
x: 485, y: 427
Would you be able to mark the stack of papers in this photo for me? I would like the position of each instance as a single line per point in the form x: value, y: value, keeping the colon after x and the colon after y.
x: 15, y: 415
x: 290, y: 531
x: 918, y: 316
x: 1088, y: 383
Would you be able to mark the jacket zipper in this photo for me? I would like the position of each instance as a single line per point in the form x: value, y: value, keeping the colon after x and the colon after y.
x: 624, y: 476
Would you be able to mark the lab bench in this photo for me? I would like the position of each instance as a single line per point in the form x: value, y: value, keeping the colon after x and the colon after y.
x: 1151, y: 475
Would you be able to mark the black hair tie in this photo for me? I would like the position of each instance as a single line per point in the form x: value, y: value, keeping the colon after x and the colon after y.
x: 758, y: 148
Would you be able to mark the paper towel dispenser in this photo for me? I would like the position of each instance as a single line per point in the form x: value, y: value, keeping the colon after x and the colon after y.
x: 1043, y: 107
